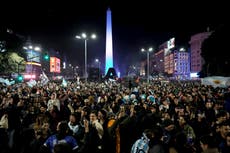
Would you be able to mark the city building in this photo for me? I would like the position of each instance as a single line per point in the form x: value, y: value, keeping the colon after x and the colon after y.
x: 33, y: 61
x: 177, y: 64
x: 195, y: 45
x: 182, y: 64
x: 158, y: 63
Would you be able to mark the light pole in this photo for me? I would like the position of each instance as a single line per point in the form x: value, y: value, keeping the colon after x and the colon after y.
x: 84, y: 36
x: 76, y: 70
x: 99, y: 65
x: 147, y: 51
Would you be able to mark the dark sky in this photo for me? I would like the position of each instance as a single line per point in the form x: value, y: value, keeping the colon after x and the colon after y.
x: 136, y: 24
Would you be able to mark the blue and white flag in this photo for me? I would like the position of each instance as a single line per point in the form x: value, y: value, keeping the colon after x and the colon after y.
x: 216, y: 81
x: 7, y: 82
x: 31, y: 83
x: 64, y: 83
x: 44, y: 78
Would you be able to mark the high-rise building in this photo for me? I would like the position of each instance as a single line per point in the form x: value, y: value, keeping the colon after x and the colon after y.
x: 195, y: 45
x: 177, y: 64
x: 158, y: 62
x: 182, y: 64
x: 172, y: 61
x: 161, y: 59
x: 33, y: 67
x: 169, y: 64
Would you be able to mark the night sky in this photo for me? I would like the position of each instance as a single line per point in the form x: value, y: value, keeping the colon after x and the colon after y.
x: 136, y: 24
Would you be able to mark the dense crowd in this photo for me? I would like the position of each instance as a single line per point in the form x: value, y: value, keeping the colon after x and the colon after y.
x: 110, y: 117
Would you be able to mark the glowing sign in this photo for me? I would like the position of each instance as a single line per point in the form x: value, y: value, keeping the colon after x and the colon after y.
x: 33, y: 56
x: 30, y: 76
x: 33, y: 63
x: 55, y: 65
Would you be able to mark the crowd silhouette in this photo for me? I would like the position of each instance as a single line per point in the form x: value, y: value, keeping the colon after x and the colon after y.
x: 111, y: 117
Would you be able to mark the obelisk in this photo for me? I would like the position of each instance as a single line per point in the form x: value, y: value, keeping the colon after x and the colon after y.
x: 109, y: 42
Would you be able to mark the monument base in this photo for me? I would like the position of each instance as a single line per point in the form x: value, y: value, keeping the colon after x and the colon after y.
x: 111, y: 74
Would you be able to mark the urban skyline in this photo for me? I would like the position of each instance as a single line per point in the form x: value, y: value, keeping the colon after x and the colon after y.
x: 55, y: 26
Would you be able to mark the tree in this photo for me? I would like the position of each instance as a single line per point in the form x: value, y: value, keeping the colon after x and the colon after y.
x: 214, y: 51
x: 10, y: 61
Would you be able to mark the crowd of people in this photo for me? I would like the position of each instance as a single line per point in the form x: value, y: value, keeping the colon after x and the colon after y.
x: 110, y: 117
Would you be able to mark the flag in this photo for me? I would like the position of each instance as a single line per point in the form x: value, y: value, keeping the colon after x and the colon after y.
x: 7, y: 82
x: 44, y: 78
x: 31, y: 83
x: 64, y: 83
x: 216, y: 81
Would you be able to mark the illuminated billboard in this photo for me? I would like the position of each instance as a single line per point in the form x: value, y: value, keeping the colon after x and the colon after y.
x: 55, y: 64
x: 33, y: 56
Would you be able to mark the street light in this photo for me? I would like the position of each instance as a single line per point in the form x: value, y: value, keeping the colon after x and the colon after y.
x: 147, y: 51
x: 84, y: 36
x: 99, y: 65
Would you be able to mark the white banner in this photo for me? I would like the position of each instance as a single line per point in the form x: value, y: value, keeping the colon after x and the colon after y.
x: 216, y: 81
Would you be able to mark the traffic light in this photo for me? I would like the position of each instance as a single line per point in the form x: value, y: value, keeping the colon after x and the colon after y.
x: 46, y: 57
x: 20, y: 78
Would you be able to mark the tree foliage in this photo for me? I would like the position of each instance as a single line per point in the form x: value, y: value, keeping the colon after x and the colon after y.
x: 12, y: 57
x: 215, y: 52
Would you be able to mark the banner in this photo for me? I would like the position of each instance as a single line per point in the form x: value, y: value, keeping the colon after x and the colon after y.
x: 216, y: 81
